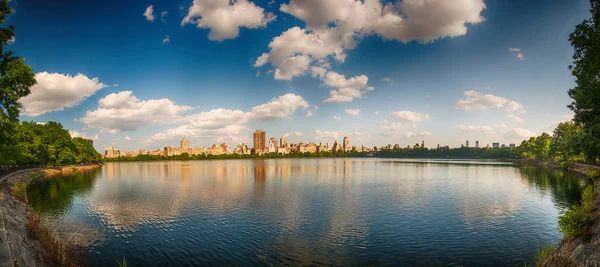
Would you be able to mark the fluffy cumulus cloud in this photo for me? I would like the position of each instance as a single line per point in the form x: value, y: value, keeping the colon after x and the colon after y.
x: 279, y: 107
x: 337, y: 118
x: 519, y: 134
x: 477, y: 129
x: 127, y: 138
x: 123, y: 111
x: 335, y: 26
x: 309, y: 113
x: 477, y: 101
x: 401, y: 130
x: 410, y: 116
x: 353, y: 112
x: 225, y: 17
x: 346, y: 89
x: 227, y: 125
x: 83, y: 135
x: 149, y: 13
x: 55, y: 91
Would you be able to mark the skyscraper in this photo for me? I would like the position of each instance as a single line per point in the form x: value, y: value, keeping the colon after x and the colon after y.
x: 185, y: 144
x: 346, y: 144
x: 467, y: 144
x: 260, y: 139
x: 477, y: 144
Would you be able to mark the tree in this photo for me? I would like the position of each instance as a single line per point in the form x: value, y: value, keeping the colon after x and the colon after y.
x: 16, y: 78
x: 586, y: 69
x: 66, y: 157
x: 565, y: 142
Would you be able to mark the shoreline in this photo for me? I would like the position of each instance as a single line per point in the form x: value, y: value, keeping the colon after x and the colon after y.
x: 17, y: 214
x: 577, y: 251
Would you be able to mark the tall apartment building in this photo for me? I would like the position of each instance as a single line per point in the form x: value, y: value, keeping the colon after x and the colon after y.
x: 467, y: 144
x: 495, y: 145
x: 477, y: 144
x: 260, y: 140
x: 185, y: 144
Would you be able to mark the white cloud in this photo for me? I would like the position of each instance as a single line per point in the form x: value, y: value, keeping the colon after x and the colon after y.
x: 410, y: 116
x: 279, y: 107
x: 388, y: 80
x: 115, y: 85
x: 376, y: 113
x: 329, y: 136
x: 127, y: 137
x: 12, y: 40
x: 163, y: 16
x: 346, y: 89
x: 166, y: 39
x: 123, y: 111
x: 226, y: 125
x: 286, y: 135
x: 335, y: 26
x: 224, y: 17
x: 292, y: 67
x: 55, y: 91
x: 309, y: 114
x: 478, y: 101
x: 216, y: 118
x: 477, y: 129
x: 83, y: 135
x: 520, y: 56
x: 516, y: 118
x: 336, y: 118
x: 352, y: 112
x: 517, y: 52
x: 519, y: 134
x: 149, y: 13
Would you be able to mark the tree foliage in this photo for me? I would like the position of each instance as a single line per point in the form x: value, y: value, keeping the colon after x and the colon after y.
x: 16, y: 78
x: 586, y: 70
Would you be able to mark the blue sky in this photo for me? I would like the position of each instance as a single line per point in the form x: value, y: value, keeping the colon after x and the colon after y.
x: 391, y: 72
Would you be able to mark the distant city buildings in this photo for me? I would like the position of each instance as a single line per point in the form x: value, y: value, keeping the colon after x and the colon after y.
x: 261, y: 146
x: 89, y: 141
x: 260, y: 138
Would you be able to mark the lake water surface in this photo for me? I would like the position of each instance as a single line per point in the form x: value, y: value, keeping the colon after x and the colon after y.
x: 308, y: 212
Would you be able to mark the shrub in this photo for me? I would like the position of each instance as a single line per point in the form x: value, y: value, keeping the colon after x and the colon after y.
x: 565, y: 165
x: 574, y: 221
x: 587, y: 199
x: 19, y: 191
x: 58, y: 252
x: 592, y: 173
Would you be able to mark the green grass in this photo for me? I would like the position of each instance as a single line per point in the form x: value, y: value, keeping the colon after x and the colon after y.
x: 19, y: 191
x: 123, y: 263
x: 57, y: 251
x: 543, y: 254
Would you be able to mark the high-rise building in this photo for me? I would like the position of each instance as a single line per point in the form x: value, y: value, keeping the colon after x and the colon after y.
x: 495, y: 145
x: 467, y: 144
x: 423, y: 144
x: 260, y: 140
x: 346, y: 144
x: 512, y: 145
x: 185, y: 144
x: 477, y: 144
x: 272, y: 145
x: 283, y: 143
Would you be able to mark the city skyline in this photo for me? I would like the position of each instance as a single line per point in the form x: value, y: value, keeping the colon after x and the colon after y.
x: 260, y: 146
x: 176, y: 72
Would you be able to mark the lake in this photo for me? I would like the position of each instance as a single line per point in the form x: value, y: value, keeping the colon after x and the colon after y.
x: 341, y: 212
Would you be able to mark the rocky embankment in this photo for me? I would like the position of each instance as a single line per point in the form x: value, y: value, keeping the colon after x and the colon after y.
x: 580, y: 251
x: 26, y: 251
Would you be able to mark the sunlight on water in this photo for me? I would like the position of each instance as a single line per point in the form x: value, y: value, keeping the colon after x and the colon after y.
x: 309, y: 211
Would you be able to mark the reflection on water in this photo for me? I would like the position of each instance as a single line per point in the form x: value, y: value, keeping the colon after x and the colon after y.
x: 309, y: 211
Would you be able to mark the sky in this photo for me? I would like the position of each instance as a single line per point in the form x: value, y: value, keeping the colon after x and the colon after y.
x: 143, y: 74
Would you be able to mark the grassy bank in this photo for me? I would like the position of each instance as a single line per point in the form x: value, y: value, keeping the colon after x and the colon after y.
x: 32, y: 242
